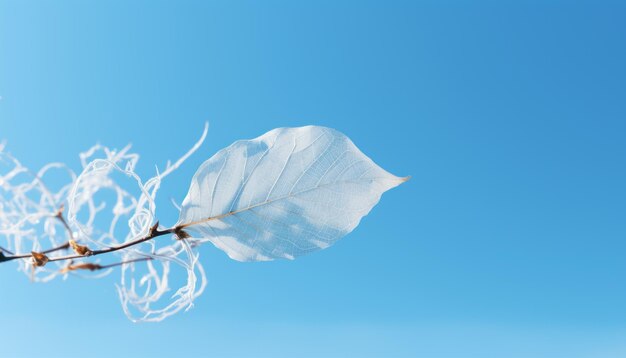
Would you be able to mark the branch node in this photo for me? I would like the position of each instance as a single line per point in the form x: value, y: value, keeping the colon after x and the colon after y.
x: 59, y: 213
x: 39, y: 259
x: 181, y: 234
x: 80, y: 249
x: 154, y: 229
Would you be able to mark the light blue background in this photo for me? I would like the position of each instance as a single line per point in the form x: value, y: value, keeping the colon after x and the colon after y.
x: 509, y: 241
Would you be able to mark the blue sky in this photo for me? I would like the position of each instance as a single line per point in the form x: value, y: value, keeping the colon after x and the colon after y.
x: 509, y: 241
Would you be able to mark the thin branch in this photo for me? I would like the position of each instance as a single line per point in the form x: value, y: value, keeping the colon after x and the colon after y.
x: 58, y: 215
x: 58, y: 248
x: 40, y: 258
x: 3, y: 250
x: 126, y: 262
x: 96, y: 267
x: 154, y: 232
x: 4, y: 258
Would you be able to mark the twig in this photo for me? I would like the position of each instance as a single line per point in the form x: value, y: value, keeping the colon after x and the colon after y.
x: 38, y: 260
x: 58, y: 215
x: 3, y: 250
x: 95, y: 267
x: 154, y: 232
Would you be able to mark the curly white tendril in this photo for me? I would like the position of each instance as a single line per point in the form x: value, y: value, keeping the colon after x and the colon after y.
x: 31, y: 221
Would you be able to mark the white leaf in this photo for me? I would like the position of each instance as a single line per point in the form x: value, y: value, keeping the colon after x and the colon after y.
x: 286, y: 193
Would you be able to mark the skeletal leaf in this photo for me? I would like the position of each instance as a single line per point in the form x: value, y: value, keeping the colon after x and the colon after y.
x: 286, y: 193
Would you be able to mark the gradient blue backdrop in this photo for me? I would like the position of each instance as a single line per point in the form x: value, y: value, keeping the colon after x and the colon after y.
x: 509, y: 241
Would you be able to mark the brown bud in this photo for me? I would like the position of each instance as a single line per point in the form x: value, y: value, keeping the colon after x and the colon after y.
x: 154, y: 228
x: 80, y: 249
x: 39, y: 259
